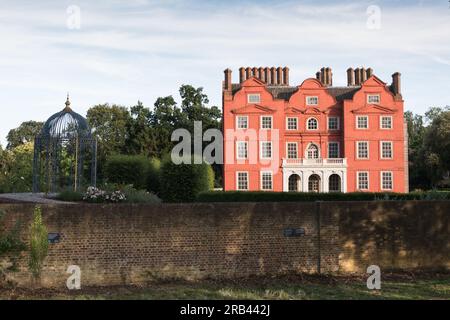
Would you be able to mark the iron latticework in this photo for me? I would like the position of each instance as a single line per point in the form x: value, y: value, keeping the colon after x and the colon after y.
x: 65, y: 153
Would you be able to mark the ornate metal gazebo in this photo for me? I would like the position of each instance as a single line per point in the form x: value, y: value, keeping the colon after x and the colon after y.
x: 65, y: 153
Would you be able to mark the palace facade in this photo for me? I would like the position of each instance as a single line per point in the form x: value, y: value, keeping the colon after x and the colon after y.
x: 314, y: 137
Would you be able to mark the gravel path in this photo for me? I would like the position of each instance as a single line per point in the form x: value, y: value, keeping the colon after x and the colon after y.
x: 29, y: 198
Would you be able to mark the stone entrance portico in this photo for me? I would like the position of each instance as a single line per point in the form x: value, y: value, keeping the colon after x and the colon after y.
x: 315, y: 175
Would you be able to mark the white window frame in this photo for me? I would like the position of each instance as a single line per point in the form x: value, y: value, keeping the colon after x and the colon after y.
x: 237, y: 122
x: 392, y: 150
x: 338, y: 120
x: 261, y: 150
x: 287, y: 149
x: 307, y: 151
x: 237, y: 149
x: 261, y: 180
x: 373, y: 95
x: 237, y: 180
x: 357, y: 122
x: 287, y: 123
x: 253, y: 95
x: 368, y: 150
x: 312, y: 104
x: 338, y: 149
x: 381, y: 180
x: 357, y: 180
x: 307, y: 124
x: 261, y: 122
x: 381, y: 122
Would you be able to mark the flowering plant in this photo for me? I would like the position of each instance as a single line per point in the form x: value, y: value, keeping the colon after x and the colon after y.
x: 94, y: 194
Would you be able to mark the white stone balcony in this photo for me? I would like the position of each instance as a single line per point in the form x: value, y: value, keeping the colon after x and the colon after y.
x: 319, y: 162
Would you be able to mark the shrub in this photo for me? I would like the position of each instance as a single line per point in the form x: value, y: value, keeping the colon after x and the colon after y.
x: 96, y: 195
x: 139, y: 196
x: 153, y: 176
x: 183, y: 182
x: 38, y: 244
x: 10, y: 248
x: 259, y: 196
x: 70, y: 196
x: 125, y: 170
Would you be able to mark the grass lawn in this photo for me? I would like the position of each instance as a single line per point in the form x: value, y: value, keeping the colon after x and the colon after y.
x: 293, y: 287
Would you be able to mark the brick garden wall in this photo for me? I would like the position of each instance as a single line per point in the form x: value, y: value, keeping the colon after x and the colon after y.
x: 126, y: 244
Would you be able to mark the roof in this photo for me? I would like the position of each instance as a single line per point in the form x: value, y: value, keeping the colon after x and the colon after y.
x: 285, y: 92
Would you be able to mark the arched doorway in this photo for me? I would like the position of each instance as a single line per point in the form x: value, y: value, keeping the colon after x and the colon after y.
x: 334, y: 183
x: 314, y: 183
x: 294, y: 183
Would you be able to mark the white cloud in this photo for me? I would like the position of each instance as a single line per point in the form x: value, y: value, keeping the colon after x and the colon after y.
x: 142, y: 49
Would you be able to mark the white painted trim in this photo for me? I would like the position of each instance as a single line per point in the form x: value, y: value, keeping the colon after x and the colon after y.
x: 381, y: 180
x: 307, y: 127
x: 357, y: 180
x: 261, y: 180
x: 309, y: 104
x: 381, y: 122
x: 287, y: 123
x: 237, y: 150
x: 253, y: 94
x: 381, y: 150
x: 372, y: 95
x: 237, y: 180
x: 356, y: 123
x: 318, y: 150
x: 261, y: 122
x: 357, y: 149
x: 237, y: 122
x: 261, y: 150
x: 287, y: 149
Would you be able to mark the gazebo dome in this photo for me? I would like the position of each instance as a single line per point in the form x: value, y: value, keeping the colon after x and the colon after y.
x: 65, y: 153
x: 66, y: 124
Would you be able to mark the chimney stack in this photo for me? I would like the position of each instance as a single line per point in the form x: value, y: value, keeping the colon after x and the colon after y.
x: 268, y: 77
x: 369, y: 72
x: 357, y: 77
x: 273, y: 76
x: 396, y: 84
x: 248, y: 73
x: 286, y: 76
x: 227, y: 82
x: 279, y: 76
x: 363, y: 74
x: 241, y: 74
x: 350, y: 77
x: 262, y: 74
x: 325, y: 76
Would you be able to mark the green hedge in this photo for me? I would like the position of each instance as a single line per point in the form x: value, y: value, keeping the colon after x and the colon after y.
x: 127, y: 170
x: 183, y: 182
x: 239, y: 196
x: 153, y: 176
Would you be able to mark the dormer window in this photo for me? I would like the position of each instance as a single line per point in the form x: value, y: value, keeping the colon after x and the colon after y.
x: 312, y: 101
x: 373, y: 98
x: 254, y: 98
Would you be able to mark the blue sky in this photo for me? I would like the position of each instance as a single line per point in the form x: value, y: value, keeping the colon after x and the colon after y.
x: 130, y: 50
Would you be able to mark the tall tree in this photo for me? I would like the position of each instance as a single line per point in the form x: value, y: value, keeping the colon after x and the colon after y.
x: 23, y: 134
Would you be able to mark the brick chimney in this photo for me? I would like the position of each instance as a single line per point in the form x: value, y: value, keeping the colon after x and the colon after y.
x: 350, y: 77
x: 369, y: 72
x: 241, y: 74
x: 273, y: 76
x: 325, y: 76
x: 396, y: 84
x: 357, y: 77
x: 262, y: 74
x: 286, y: 76
x: 227, y: 82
